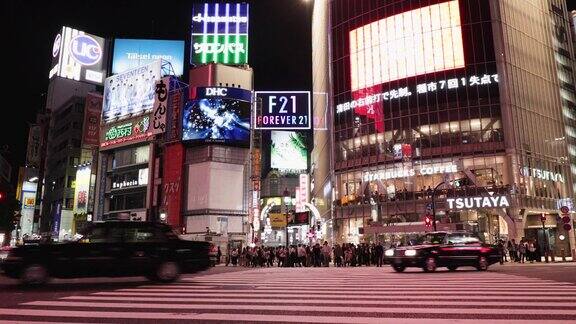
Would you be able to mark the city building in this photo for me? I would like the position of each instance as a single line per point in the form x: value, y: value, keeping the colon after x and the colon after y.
x: 460, y: 109
x: 215, y: 159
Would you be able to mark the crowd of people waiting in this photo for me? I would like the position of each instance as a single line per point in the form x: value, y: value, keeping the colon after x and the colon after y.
x: 525, y: 250
x: 344, y: 255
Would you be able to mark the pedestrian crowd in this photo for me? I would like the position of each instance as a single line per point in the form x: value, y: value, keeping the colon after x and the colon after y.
x: 527, y: 250
x: 342, y: 255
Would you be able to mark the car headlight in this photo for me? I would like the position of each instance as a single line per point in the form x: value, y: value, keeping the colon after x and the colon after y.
x: 389, y: 253
x: 410, y: 252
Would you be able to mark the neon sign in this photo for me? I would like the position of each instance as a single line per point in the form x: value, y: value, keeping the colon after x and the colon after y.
x: 220, y: 33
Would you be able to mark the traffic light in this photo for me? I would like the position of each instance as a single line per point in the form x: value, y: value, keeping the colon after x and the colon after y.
x: 2, y: 196
x: 428, y: 220
x: 566, y: 219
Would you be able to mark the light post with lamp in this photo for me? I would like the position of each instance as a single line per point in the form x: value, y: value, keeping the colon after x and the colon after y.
x: 286, y: 199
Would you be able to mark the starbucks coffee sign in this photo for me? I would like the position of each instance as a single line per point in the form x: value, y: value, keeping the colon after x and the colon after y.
x: 478, y: 202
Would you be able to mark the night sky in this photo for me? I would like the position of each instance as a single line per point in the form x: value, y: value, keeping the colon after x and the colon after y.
x: 279, y: 49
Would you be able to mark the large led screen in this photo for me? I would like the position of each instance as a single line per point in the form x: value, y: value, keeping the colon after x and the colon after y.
x: 415, y: 42
x: 288, y: 152
x: 130, y: 93
x: 132, y: 53
x: 217, y: 120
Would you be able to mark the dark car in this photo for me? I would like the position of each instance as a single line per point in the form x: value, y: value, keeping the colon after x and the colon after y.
x: 110, y: 249
x: 443, y: 249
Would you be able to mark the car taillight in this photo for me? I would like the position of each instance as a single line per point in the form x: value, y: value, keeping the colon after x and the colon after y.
x: 485, y: 249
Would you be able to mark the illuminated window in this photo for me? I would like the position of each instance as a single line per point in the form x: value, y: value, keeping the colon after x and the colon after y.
x: 415, y: 42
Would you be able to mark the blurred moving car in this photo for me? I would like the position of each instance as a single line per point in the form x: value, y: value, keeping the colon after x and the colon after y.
x: 110, y: 249
x: 443, y: 249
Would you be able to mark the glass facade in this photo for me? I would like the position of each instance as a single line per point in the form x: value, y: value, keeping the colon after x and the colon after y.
x: 457, y: 95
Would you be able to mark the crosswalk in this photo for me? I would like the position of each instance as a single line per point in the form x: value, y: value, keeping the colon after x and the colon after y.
x: 318, y: 295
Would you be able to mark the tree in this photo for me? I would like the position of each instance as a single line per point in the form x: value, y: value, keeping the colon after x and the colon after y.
x: 9, y: 214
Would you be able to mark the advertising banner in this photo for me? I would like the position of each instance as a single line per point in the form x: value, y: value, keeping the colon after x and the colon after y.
x: 277, y: 220
x: 288, y: 152
x: 160, y: 105
x: 132, y: 53
x: 283, y: 110
x: 176, y: 98
x: 78, y: 56
x: 299, y: 218
x: 56, y: 216
x: 219, y: 33
x: 171, y: 195
x: 92, y: 113
x: 127, y: 131
x: 217, y: 115
x: 130, y: 93
x: 82, y: 189
x: 33, y: 151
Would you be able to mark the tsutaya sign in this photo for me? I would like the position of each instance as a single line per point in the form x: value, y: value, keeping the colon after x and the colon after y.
x: 402, y: 173
x: 542, y: 174
x: 478, y: 202
x: 423, y: 88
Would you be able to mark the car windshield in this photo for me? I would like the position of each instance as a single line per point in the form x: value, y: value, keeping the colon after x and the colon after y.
x: 432, y: 238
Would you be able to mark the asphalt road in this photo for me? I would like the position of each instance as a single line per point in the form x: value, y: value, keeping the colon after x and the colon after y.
x: 512, y: 293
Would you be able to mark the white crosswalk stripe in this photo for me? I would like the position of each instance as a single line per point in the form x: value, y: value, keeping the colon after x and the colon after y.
x: 319, y: 295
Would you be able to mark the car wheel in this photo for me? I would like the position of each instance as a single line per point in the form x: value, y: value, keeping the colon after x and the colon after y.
x: 167, y: 271
x: 399, y: 268
x: 34, y: 274
x: 482, y: 264
x: 430, y: 265
x: 452, y: 268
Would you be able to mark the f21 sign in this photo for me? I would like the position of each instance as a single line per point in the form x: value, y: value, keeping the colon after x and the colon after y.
x: 283, y: 110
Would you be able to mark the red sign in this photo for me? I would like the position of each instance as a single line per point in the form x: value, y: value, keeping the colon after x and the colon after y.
x: 92, y: 113
x: 172, y: 183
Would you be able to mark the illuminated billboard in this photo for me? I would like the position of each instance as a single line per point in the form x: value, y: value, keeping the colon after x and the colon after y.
x: 420, y: 41
x: 128, y: 131
x: 82, y: 189
x: 219, y: 33
x: 78, y: 56
x: 132, y: 53
x: 130, y: 93
x: 216, y: 116
x: 288, y: 152
x: 287, y: 110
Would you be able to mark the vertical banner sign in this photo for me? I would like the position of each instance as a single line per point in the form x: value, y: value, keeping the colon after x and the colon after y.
x: 160, y: 105
x: 56, y: 219
x: 304, y: 195
x: 219, y: 33
x: 174, y: 114
x: 298, y: 204
x: 102, y: 181
x: 171, y: 193
x: 33, y: 152
x: 92, y: 113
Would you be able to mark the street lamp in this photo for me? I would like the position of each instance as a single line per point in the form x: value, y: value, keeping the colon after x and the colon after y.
x: 545, y: 235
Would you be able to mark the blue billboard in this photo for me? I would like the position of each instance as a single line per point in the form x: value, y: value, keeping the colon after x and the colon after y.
x: 132, y: 53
